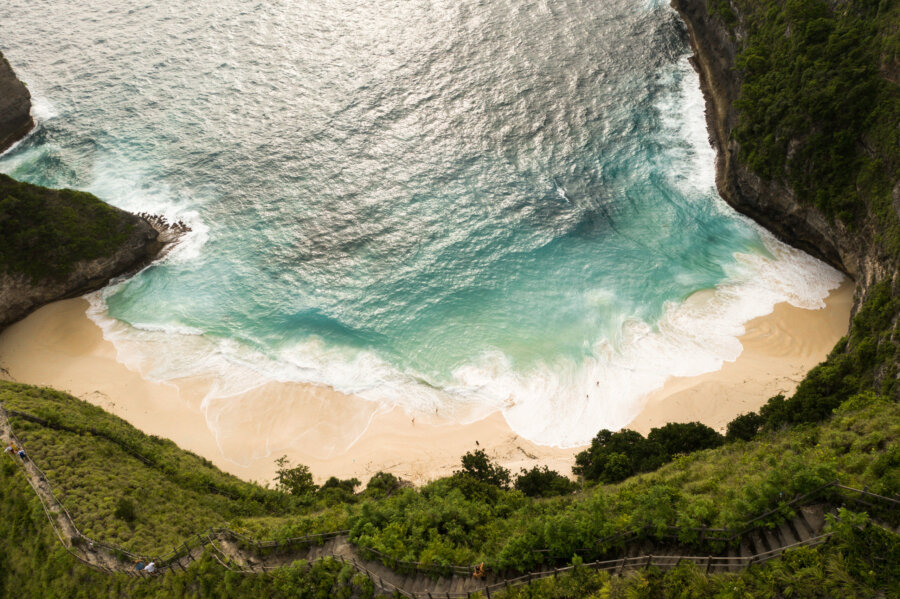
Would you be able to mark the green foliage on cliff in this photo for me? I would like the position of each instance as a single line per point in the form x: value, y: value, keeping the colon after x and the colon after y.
x: 94, y: 460
x: 817, y: 109
x: 46, y: 231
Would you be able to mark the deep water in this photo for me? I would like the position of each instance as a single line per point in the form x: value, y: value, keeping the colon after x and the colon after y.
x: 455, y: 206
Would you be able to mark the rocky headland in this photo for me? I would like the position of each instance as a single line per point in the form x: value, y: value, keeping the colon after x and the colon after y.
x: 772, y: 203
x: 94, y: 243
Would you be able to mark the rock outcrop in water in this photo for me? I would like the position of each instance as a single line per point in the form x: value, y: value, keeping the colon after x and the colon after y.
x: 15, y: 107
x: 127, y: 241
x: 770, y: 203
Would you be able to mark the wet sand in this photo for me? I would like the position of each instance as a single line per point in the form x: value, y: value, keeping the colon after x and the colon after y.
x: 59, y: 346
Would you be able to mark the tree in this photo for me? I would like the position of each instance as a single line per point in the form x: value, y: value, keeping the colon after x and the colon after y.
x: 543, y: 482
x: 744, y: 427
x: 616, y: 456
x: 296, y: 481
x: 685, y: 437
x: 477, y: 465
x: 383, y: 484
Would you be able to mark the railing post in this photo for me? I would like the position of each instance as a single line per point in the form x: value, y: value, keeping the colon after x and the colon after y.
x: 649, y: 559
x: 708, y: 563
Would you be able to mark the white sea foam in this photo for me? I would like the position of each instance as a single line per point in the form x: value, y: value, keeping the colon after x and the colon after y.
x: 126, y: 184
x: 42, y: 109
x: 683, y: 116
x: 558, y: 404
x: 561, y: 403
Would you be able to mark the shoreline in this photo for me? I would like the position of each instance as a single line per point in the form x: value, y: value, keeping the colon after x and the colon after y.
x: 345, y: 436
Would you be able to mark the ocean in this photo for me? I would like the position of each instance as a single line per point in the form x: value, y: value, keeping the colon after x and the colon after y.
x: 456, y: 207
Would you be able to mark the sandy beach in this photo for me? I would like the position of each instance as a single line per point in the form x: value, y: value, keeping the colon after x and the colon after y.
x: 59, y: 346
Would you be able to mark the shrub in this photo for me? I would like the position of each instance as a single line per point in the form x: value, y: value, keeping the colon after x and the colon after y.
x: 744, y: 427
x: 383, y: 484
x: 477, y: 465
x: 296, y: 481
x: 543, y: 482
x: 616, y: 456
x: 125, y: 510
x: 686, y: 437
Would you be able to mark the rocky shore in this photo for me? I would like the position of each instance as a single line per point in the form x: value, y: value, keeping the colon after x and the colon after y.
x: 15, y: 107
x: 22, y: 293
x: 770, y: 203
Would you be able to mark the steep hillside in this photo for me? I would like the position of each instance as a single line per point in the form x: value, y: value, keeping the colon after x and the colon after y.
x: 146, y: 496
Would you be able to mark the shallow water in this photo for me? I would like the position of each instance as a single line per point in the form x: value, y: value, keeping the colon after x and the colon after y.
x: 456, y: 207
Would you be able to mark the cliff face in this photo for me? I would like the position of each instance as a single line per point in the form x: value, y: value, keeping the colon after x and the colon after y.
x: 29, y: 207
x: 769, y: 203
x: 15, y: 107
x: 21, y: 295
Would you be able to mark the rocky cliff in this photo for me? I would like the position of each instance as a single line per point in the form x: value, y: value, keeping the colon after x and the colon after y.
x: 15, y: 107
x: 770, y: 203
x: 89, y: 242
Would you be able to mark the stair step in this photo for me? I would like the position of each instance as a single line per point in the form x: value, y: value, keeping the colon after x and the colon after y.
x: 803, y: 528
x: 814, y: 517
x: 746, y: 548
x: 772, y: 540
x: 786, y: 535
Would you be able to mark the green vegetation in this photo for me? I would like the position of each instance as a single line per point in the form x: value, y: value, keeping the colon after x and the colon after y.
x: 140, y: 492
x: 459, y: 519
x: 35, y: 564
x: 613, y: 457
x: 818, y: 112
x: 721, y: 487
x: 543, y: 482
x: 816, y: 108
x: 850, y: 567
x: 46, y: 231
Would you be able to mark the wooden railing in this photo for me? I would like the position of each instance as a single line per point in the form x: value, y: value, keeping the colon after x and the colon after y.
x: 194, y: 547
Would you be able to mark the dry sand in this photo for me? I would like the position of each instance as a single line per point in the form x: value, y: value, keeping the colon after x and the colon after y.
x: 59, y: 346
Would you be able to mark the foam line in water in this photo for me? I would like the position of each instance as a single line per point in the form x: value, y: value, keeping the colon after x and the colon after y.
x: 560, y: 404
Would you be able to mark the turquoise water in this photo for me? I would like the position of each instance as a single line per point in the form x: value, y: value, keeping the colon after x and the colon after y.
x: 456, y: 206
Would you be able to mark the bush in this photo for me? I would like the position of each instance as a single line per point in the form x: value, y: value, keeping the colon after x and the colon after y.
x: 125, y: 510
x: 543, y: 482
x: 383, y: 484
x: 478, y: 466
x: 744, y: 427
x: 678, y: 437
x: 616, y: 456
x: 296, y: 481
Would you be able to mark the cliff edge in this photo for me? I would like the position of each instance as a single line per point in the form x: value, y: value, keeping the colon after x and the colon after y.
x: 57, y: 244
x: 15, y: 107
x: 772, y: 203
